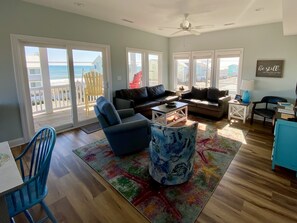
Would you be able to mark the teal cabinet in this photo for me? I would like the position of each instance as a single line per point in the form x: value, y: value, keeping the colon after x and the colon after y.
x: 285, y: 145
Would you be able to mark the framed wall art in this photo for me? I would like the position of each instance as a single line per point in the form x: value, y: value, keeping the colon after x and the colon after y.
x: 270, y: 68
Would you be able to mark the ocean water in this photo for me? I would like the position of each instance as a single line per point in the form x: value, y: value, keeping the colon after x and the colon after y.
x: 61, y: 71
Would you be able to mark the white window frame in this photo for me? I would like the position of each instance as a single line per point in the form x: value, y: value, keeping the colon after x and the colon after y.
x: 20, y: 72
x: 215, y: 55
x: 145, y: 64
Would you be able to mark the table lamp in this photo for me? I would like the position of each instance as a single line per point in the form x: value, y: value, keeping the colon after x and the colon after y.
x: 246, y: 86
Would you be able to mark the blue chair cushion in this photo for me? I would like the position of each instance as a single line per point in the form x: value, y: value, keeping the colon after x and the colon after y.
x: 108, y: 111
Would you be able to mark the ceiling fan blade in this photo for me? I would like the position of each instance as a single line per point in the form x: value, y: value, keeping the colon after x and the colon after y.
x: 203, y: 27
x: 180, y: 31
x: 164, y: 27
x: 186, y: 16
x: 194, y: 32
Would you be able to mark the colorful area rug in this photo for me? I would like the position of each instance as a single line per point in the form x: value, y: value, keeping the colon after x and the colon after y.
x: 129, y: 175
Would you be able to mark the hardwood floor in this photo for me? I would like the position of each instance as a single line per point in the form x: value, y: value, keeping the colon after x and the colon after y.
x: 249, y: 191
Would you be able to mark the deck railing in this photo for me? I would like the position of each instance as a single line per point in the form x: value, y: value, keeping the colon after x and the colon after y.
x: 60, y: 97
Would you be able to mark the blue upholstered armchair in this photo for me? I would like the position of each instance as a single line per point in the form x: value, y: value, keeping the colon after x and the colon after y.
x: 172, y: 151
x: 125, y: 131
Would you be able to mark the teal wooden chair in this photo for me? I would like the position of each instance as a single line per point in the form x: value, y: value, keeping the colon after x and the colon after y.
x: 34, y: 189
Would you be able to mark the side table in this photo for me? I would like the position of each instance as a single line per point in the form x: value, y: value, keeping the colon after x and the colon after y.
x: 238, y: 110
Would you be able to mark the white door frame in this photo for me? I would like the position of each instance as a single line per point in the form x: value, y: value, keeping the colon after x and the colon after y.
x: 20, y: 73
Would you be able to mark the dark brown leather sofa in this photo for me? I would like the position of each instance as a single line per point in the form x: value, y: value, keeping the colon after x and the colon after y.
x: 143, y: 99
x: 210, y: 102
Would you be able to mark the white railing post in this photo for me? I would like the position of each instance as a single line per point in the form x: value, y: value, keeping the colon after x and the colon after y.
x: 45, y: 80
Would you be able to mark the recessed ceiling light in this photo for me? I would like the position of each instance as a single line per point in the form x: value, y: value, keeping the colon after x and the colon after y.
x: 229, y: 24
x: 259, y: 9
x: 79, y: 4
x: 127, y: 20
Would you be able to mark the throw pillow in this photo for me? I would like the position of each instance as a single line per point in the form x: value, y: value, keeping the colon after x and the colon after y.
x: 137, y: 94
x: 223, y: 93
x: 213, y: 95
x: 156, y: 91
x: 199, y: 93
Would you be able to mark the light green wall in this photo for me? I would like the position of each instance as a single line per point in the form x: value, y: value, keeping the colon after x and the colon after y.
x: 17, y: 17
x: 258, y: 42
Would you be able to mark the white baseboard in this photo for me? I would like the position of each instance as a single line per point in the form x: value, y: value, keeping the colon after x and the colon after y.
x: 16, y: 142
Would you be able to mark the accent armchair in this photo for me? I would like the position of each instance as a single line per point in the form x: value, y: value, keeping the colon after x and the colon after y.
x: 264, y: 110
x: 125, y: 131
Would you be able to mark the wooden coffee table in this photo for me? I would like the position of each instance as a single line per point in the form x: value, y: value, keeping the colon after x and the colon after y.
x: 168, y: 116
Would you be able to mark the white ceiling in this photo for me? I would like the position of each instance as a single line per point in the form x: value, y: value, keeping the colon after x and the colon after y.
x: 154, y: 15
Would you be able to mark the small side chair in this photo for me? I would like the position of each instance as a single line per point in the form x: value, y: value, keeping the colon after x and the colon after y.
x: 34, y: 189
x: 264, y: 110
x: 172, y: 152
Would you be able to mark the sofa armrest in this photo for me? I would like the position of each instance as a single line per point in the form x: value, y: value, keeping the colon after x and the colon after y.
x: 170, y: 93
x: 223, y: 102
x: 186, y: 95
x: 125, y: 113
x: 127, y: 127
x: 121, y: 103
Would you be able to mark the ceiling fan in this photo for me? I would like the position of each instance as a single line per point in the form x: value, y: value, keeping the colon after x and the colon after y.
x: 186, y: 26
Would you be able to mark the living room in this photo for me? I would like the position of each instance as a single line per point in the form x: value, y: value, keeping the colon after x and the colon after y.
x: 265, y: 41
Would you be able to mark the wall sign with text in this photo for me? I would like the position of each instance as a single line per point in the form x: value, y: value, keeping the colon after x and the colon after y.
x: 270, y: 68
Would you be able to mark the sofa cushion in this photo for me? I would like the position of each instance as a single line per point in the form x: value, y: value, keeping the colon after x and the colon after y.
x: 108, y: 111
x: 137, y: 94
x: 146, y: 105
x: 213, y: 94
x: 156, y: 91
x: 199, y: 93
x: 223, y: 93
x: 166, y: 99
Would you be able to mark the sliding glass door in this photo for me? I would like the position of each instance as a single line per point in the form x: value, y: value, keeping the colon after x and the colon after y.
x: 59, y: 83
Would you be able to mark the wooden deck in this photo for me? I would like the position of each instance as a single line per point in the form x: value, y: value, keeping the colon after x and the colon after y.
x: 249, y: 191
x: 62, y: 117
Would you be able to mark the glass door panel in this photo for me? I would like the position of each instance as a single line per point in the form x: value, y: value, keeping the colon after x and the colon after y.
x: 153, y: 69
x: 182, y: 73
x: 202, y: 72
x: 89, y: 81
x: 228, y: 70
x: 49, y: 87
x: 135, y: 70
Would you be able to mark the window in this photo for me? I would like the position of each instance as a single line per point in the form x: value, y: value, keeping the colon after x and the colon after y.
x: 182, y: 70
x: 144, y: 68
x: 135, y: 69
x: 154, y: 69
x: 219, y: 68
x: 202, y: 69
x: 228, y: 69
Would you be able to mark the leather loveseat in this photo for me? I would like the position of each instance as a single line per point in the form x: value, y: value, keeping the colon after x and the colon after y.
x: 143, y: 99
x: 207, y: 101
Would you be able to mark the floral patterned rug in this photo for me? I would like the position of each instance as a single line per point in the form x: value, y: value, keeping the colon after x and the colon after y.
x: 215, y: 149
